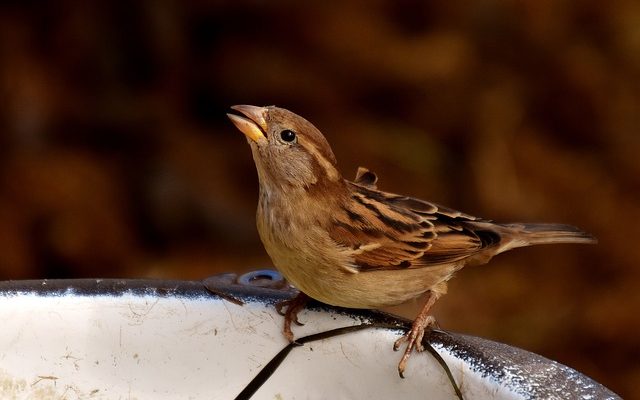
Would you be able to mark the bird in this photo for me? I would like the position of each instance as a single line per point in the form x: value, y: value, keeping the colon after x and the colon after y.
x: 347, y: 243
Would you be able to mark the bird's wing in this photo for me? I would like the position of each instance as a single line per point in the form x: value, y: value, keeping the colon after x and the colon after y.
x: 388, y: 231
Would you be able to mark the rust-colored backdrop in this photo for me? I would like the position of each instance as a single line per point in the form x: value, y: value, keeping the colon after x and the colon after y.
x: 116, y: 158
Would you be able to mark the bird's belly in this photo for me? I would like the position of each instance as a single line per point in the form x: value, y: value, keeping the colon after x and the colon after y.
x: 374, y: 289
x: 316, y: 266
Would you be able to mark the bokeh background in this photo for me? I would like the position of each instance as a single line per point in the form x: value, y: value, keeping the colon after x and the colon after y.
x: 116, y: 158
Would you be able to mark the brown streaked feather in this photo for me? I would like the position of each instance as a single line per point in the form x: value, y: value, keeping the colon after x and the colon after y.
x: 366, y: 178
x: 399, y: 232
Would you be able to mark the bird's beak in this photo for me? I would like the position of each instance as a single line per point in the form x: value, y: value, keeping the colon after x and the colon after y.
x: 254, y: 125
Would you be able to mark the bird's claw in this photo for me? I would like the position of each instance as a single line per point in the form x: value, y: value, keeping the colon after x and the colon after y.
x: 289, y: 309
x: 414, y: 339
x: 281, y: 305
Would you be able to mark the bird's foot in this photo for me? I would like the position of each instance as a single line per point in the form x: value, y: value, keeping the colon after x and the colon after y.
x: 289, y: 309
x: 414, y: 339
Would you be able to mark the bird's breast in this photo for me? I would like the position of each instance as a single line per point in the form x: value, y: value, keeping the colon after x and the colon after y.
x: 301, y: 249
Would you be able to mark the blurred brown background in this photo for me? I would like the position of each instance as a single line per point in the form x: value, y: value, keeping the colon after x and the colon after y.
x: 116, y: 158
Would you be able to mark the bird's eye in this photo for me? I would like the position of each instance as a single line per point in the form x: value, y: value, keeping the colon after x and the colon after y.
x: 288, y: 135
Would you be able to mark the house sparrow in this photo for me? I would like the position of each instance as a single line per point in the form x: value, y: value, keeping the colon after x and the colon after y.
x: 351, y: 245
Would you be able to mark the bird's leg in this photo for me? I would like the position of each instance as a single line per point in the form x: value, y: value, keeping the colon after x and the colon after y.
x: 414, y: 337
x: 293, y: 307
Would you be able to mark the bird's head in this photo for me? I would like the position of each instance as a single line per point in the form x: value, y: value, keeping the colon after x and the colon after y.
x: 288, y: 150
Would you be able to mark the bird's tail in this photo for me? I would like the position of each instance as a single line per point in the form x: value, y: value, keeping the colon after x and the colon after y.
x: 520, y: 235
x: 511, y: 236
